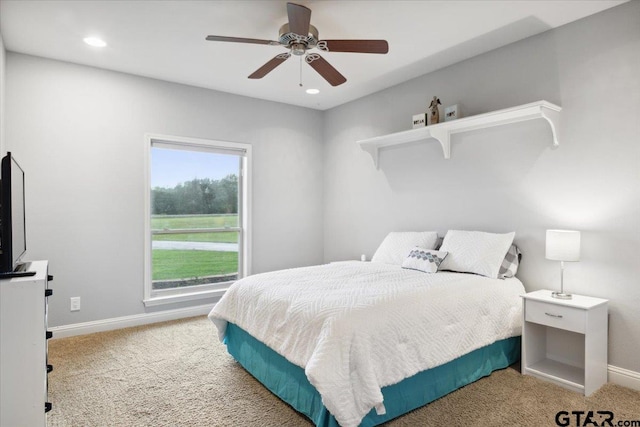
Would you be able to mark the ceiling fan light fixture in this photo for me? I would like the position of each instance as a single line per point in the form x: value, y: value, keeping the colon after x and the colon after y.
x: 298, y: 49
x: 313, y: 91
x: 94, y: 41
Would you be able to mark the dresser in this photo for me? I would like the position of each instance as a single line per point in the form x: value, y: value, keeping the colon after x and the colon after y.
x: 23, y: 344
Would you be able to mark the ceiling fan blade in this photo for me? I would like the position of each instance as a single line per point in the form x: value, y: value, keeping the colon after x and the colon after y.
x: 240, y: 40
x: 325, y: 69
x: 269, y: 66
x: 358, y: 46
x: 299, y: 19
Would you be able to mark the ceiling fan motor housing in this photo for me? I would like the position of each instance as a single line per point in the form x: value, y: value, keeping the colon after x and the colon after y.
x: 298, y: 43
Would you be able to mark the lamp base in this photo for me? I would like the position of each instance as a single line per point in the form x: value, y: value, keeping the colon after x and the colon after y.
x: 561, y: 295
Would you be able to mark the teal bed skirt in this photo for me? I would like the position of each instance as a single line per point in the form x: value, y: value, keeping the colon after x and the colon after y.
x: 289, y: 382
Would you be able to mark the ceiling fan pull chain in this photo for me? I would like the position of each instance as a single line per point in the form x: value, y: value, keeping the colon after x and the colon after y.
x: 301, y: 71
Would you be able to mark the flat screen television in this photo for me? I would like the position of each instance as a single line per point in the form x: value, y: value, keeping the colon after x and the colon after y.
x: 13, y: 237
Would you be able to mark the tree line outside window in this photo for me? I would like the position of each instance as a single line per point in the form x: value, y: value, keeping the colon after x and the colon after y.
x: 198, y: 196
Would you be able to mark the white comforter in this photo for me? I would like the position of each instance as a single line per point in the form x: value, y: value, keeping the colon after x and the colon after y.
x: 356, y: 327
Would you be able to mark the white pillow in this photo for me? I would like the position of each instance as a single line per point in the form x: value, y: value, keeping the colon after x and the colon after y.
x: 475, y: 251
x: 426, y: 260
x: 397, y: 245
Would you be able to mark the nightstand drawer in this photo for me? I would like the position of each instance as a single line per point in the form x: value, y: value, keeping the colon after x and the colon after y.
x: 557, y: 316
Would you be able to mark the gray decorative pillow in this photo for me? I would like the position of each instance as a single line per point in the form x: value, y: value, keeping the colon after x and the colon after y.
x: 510, y: 263
x: 427, y: 260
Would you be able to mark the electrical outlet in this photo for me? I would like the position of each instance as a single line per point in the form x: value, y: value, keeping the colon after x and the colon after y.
x: 74, y: 304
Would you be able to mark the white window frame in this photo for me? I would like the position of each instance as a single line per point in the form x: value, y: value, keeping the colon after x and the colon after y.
x: 153, y: 298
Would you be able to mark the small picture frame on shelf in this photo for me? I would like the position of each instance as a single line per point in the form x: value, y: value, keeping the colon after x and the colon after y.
x: 419, y: 120
x: 451, y: 113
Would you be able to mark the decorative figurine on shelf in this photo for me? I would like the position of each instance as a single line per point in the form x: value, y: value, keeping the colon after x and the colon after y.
x: 434, y: 113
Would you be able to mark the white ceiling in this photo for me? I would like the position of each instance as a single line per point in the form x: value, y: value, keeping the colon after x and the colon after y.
x: 166, y: 39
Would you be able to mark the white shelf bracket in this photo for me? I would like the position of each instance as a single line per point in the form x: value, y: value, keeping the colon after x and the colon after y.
x: 373, y: 152
x: 444, y: 138
x: 552, y: 117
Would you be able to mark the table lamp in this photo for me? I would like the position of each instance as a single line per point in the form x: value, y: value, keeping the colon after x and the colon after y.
x: 562, y: 245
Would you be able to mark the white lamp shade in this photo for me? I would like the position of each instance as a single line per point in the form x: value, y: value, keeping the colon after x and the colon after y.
x: 563, y: 245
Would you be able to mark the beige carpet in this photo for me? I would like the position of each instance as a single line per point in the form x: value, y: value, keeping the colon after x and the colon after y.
x: 178, y: 374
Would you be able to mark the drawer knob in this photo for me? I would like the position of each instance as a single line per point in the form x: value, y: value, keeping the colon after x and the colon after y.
x: 558, y: 316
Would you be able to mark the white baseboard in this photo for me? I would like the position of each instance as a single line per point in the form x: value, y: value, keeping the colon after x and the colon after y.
x: 127, y: 321
x: 624, y: 377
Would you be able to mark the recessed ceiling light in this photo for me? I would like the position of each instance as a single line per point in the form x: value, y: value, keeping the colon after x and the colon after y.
x: 95, y: 42
x: 313, y: 91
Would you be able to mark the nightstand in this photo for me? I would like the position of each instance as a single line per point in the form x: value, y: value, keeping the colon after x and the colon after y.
x: 565, y: 341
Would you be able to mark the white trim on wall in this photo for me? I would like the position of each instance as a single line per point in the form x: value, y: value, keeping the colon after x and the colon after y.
x: 624, y: 377
x: 128, y: 321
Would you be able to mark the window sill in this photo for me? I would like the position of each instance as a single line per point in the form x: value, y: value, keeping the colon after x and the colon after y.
x: 172, y: 299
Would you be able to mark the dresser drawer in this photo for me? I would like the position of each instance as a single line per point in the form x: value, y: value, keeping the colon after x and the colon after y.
x: 557, y: 316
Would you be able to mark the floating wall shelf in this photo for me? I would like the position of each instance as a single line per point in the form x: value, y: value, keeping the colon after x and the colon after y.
x: 442, y: 131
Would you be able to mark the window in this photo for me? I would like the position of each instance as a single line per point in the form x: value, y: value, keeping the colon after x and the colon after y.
x: 197, y: 216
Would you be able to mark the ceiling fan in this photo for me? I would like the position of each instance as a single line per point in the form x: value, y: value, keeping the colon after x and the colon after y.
x: 299, y: 36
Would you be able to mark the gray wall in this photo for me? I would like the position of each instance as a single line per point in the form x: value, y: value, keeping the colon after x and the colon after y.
x: 2, y: 80
x: 78, y: 133
x: 509, y: 178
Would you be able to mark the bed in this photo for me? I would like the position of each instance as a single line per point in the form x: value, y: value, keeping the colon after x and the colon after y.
x: 359, y: 343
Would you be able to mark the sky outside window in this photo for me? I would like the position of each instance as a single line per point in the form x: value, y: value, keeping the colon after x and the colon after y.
x: 172, y: 167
